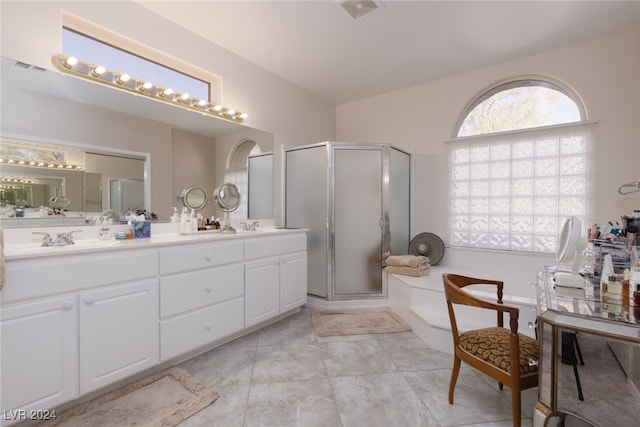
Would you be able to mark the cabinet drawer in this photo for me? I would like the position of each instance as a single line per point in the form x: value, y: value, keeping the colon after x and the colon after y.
x: 34, y: 278
x: 199, y: 328
x: 274, y: 245
x: 197, y: 256
x: 188, y: 291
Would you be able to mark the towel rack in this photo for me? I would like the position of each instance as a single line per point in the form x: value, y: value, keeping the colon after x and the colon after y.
x: 635, y: 185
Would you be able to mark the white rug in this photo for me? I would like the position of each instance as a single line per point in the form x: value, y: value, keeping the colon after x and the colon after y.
x: 161, y: 400
x: 357, y: 322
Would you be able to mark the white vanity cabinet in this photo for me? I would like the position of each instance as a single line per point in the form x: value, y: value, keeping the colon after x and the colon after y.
x: 262, y: 285
x: 118, y: 332
x: 39, y: 345
x: 275, y: 276
x: 74, y: 320
x: 293, y: 281
x: 73, y: 323
x: 201, y: 295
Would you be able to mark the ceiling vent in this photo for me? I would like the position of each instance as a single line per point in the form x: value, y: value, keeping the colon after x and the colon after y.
x: 27, y: 67
x: 358, y: 9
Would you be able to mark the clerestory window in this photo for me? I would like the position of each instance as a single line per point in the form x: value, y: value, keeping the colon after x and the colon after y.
x: 518, y: 167
x: 98, y: 46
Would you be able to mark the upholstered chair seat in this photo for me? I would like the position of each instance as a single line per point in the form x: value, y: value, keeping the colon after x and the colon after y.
x: 502, y: 353
x: 492, y: 345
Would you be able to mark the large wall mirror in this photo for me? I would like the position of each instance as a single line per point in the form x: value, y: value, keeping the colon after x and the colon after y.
x: 121, y: 137
x: 43, y: 180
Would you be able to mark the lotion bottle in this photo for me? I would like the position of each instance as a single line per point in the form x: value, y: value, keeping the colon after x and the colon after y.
x: 194, y: 220
x: 128, y: 235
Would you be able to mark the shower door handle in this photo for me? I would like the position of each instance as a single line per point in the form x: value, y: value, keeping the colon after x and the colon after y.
x: 386, y: 235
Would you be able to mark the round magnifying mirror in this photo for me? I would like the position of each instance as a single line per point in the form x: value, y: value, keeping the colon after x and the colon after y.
x: 227, y: 197
x: 194, y: 197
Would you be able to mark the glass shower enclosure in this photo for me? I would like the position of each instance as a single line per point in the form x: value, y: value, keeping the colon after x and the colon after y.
x: 355, y: 200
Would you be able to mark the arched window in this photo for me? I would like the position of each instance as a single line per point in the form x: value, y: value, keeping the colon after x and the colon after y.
x: 518, y: 167
x: 237, y: 173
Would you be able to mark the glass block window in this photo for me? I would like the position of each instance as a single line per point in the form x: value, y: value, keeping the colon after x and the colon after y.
x: 512, y: 190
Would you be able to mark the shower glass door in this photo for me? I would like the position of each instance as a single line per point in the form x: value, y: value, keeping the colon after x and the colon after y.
x: 356, y: 216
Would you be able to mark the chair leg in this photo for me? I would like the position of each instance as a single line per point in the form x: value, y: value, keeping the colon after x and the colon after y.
x: 575, y: 341
x: 454, y: 377
x: 571, y: 354
x: 515, y: 407
x: 575, y: 372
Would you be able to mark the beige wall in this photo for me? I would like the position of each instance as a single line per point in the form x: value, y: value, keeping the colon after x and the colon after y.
x: 605, y: 74
x: 193, y: 164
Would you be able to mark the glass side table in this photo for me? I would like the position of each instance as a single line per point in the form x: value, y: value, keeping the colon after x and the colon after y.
x: 606, y: 338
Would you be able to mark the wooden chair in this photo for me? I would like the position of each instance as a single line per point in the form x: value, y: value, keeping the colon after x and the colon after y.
x: 499, y: 352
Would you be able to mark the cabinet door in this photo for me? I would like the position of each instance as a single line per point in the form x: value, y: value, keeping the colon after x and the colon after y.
x: 293, y: 281
x: 262, y: 290
x: 119, y: 333
x: 39, y: 354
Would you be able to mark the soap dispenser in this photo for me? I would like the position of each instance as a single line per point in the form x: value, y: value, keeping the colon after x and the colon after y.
x: 175, y: 217
x: 104, y: 233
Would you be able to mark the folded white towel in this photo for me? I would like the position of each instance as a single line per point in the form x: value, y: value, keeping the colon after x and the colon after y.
x: 406, y: 260
x: 409, y: 271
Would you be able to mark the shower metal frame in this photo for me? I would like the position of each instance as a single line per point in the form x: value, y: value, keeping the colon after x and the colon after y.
x: 385, y: 232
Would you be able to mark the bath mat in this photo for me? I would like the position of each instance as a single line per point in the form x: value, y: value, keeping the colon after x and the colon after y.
x: 357, y: 322
x: 163, y: 399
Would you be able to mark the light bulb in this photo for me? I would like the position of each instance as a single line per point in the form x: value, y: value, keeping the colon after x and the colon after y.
x: 70, y: 62
x: 98, y: 71
x: 123, y: 78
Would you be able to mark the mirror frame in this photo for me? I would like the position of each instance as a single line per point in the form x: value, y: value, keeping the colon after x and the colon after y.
x: 189, y: 194
x: 220, y: 195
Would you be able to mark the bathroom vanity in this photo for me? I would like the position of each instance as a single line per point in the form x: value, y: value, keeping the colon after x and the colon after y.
x: 604, y: 389
x: 77, y: 318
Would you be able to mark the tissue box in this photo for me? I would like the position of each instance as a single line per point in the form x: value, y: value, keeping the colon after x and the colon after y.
x: 141, y: 229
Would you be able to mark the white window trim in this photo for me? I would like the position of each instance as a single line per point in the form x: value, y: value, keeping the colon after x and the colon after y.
x: 102, y: 34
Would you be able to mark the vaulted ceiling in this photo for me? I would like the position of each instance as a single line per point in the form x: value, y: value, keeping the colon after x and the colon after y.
x: 321, y: 47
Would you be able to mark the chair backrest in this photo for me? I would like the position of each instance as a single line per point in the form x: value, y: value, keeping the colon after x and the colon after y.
x: 455, y: 294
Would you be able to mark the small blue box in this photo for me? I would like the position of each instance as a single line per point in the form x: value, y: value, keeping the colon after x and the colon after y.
x: 141, y: 229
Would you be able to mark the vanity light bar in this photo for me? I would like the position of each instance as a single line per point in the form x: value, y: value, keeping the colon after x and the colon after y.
x: 16, y: 180
x: 99, y: 74
x: 39, y: 164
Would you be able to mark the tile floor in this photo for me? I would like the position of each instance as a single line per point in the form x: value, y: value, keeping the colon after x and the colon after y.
x: 285, y: 375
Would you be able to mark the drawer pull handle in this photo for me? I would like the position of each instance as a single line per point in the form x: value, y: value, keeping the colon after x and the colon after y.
x: 67, y: 305
x: 207, y: 326
x: 207, y: 258
x: 89, y: 300
x: 208, y: 289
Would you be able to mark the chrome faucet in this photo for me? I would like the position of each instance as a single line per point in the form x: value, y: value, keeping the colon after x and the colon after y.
x: 249, y: 227
x: 65, y: 239
x: 46, y: 238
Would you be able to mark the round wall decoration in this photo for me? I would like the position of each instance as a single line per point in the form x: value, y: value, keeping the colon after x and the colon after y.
x: 429, y: 245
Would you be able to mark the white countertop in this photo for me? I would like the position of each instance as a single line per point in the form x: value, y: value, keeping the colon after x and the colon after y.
x: 22, y: 243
